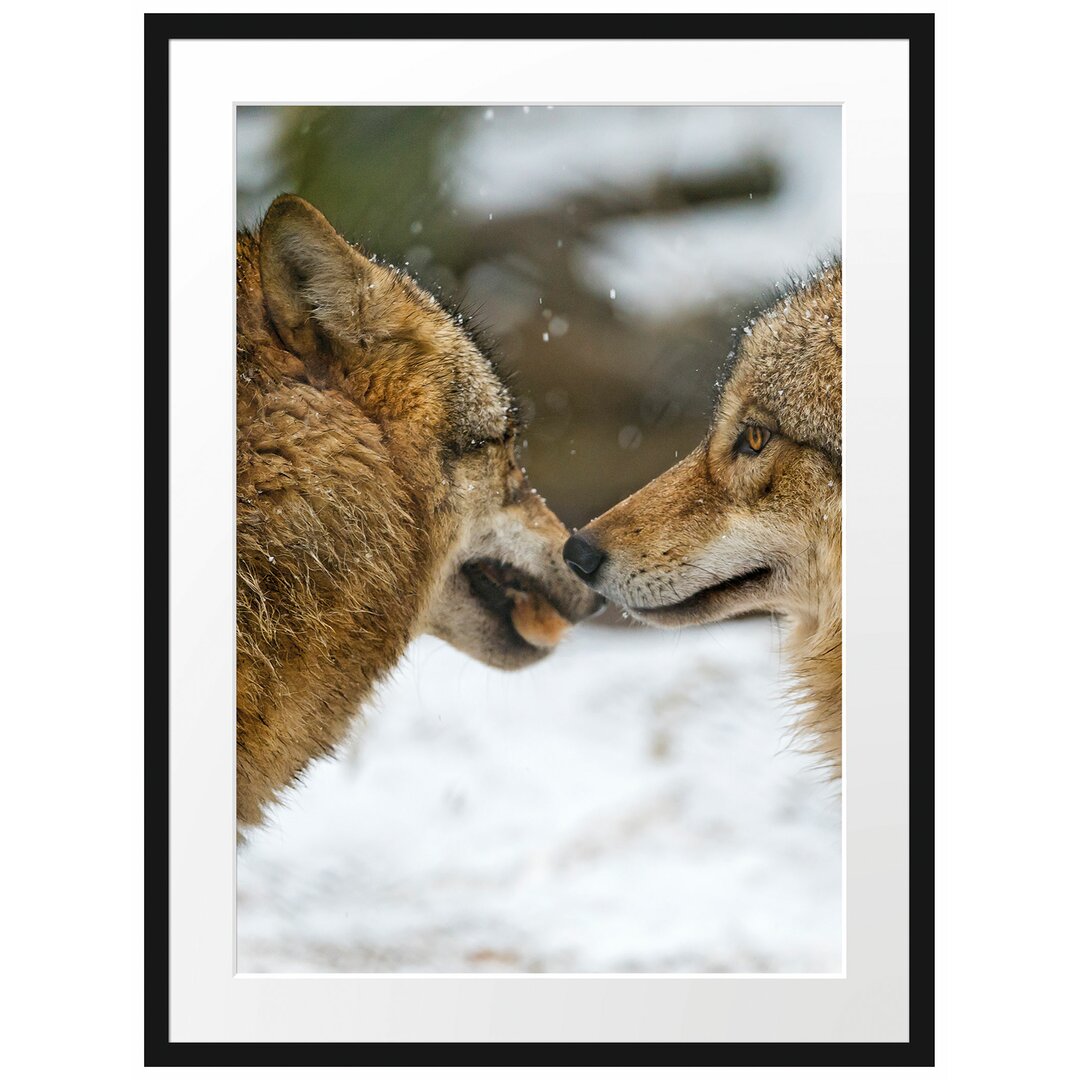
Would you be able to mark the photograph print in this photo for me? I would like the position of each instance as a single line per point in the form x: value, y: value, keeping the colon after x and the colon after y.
x: 539, y: 514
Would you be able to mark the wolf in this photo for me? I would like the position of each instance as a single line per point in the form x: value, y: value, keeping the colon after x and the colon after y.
x: 751, y: 519
x: 378, y: 497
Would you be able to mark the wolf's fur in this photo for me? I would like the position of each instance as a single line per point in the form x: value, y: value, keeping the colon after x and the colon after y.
x: 674, y: 550
x: 377, y: 496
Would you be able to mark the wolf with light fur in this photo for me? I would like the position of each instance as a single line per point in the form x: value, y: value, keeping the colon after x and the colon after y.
x: 751, y: 519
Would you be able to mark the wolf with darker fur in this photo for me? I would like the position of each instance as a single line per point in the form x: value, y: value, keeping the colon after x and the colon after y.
x: 378, y: 497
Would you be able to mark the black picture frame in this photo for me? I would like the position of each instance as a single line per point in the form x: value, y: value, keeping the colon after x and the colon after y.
x: 918, y: 31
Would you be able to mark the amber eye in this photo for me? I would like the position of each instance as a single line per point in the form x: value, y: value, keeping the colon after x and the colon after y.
x: 752, y: 439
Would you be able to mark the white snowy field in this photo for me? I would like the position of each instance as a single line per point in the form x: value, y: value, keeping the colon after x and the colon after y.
x: 631, y: 804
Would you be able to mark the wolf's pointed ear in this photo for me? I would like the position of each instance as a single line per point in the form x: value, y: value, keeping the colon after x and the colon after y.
x: 311, y: 278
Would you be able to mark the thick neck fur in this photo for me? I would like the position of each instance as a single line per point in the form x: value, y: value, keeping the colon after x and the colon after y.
x: 342, y: 530
x: 814, y: 651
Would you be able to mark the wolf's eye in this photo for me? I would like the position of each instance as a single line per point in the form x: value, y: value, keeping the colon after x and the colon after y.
x: 481, y: 442
x: 752, y: 439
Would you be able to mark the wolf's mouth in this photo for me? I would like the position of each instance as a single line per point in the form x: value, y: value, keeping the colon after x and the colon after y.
x: 704, y: 601
x: 527, y: 612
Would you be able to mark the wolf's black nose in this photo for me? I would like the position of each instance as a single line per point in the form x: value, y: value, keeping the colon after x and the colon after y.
x: 582, y: 556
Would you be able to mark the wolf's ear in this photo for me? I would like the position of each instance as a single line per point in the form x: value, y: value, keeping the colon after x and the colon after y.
x: 311, y: 278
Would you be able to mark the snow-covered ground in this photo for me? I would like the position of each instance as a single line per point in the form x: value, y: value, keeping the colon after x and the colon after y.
x: 631, y: 804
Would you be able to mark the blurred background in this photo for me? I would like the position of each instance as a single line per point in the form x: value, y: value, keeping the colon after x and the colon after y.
x: 633, y: 803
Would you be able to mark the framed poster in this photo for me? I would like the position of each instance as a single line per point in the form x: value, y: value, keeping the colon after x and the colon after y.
x: 614, y: 263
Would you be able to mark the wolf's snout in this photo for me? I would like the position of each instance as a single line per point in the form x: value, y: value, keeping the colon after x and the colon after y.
x: 583, y: 556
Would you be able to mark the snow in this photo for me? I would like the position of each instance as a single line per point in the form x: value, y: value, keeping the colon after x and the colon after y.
x: 631, y: 804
